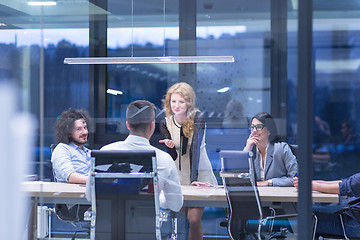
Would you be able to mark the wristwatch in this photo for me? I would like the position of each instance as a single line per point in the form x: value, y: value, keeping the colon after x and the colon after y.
x: 270, y: 182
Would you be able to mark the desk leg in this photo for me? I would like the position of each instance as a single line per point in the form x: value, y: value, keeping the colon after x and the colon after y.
x: 290, y: 208
x: 32, y: 221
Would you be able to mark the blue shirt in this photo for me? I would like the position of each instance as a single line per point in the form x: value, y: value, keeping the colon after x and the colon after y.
x: 70, y: 158
x: 350, y: 187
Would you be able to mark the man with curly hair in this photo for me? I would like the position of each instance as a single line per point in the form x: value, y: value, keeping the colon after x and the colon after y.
x: 70, y: 158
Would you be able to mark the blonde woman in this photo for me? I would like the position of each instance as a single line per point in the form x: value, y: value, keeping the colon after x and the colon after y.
x: 183, y: 132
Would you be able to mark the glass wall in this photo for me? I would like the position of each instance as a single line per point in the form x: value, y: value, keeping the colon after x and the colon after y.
x: 34, y: 40
x: 336, y: 91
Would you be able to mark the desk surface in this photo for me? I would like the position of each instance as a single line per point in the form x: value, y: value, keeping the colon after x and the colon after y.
x: 63, y: 191
x: 267, y: 194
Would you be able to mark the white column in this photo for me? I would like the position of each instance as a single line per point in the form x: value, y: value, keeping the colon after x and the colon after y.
x: 16, y: 147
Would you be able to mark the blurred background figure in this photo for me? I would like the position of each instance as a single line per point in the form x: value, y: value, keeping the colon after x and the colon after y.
x: 347, y: 131
x: 321, y: 148
x: 345, y: 153
x: 321, y: 132
x: 234, y: 115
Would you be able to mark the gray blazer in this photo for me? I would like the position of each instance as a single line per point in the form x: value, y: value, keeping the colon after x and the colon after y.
x: 281, y: 165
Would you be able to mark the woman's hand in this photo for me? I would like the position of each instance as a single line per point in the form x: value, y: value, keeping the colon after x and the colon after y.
x: 263, y: 183
x: 201, y: 184
x: 251, y: 141
x: 168, y: 142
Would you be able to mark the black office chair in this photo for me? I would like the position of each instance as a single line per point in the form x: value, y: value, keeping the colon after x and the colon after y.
x: 243, y: 198
x: 294, y: 149
x: 117, y: 179
x: 341, y: 213
x: 73, y: 215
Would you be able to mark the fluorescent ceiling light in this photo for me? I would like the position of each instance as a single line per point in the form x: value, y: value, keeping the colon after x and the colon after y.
x: 137, y: 60
x: 41, y: 3
x: 114, y: 92
x: 222, y: 90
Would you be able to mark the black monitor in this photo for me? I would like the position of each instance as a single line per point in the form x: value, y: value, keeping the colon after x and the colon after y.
x: 122, y: 162
x: 235, y: 161
x: 113, y: 160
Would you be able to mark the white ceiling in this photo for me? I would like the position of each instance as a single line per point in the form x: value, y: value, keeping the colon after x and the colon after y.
x: 149, y: 13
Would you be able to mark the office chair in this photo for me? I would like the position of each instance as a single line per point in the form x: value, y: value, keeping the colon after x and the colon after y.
x: 73, y: 215
x: 341, y: 213
x: 243, y: 198
x: 294, y: 149
x: 165, y: 216
x: 119, y: 176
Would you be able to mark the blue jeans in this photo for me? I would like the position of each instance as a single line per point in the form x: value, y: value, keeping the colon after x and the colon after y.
x: 330, y: 224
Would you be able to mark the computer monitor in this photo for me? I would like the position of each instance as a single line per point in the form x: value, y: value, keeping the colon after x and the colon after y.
x: 112, y: 160
x: 218, y: 139
x: 235, y: 161
x: 124, y: 163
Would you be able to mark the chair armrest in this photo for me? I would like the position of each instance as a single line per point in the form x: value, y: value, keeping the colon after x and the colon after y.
x: 282, y: 216
x: 356, y: 200
x: 352, y: 209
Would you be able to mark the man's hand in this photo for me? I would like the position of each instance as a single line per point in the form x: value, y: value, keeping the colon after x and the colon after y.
x: 296, y: 182
x: 201, y: 184
x: 168, y: 142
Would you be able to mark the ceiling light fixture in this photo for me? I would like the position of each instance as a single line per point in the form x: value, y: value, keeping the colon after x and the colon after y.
x: 149, y: 60
x: 114, y: 92
x: 139, y: 60
x: 41, y: 3
x: 222, y: 90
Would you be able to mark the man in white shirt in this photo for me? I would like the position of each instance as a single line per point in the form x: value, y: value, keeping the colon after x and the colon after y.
x: 140, y: 120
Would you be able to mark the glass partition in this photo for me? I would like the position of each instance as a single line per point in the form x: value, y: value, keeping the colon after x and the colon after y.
x: 262, y: 37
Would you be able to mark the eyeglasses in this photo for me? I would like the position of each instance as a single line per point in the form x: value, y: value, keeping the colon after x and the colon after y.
x: 257, y: 127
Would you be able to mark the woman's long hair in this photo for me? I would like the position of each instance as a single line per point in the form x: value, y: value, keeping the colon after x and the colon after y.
x: 266, y: 119
x: 187, y: 92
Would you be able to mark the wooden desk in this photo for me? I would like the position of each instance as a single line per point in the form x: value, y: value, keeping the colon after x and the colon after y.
x: 56, y: 192
x: 210, y: 197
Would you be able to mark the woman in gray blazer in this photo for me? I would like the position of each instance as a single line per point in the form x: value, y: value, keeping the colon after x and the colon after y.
x: 274, y: 162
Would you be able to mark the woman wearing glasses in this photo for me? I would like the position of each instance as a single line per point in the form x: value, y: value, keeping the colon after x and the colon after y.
x: 274, y: 162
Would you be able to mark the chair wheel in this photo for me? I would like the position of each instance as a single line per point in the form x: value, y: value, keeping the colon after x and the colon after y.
x: 224, y: 223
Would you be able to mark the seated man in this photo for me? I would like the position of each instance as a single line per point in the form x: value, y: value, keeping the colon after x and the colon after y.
x: 140, y: 120
x: 70, y: 159
x: 330, y: 223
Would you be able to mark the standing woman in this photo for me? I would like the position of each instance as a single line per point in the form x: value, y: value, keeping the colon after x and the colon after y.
x: 183, y: 132
x: 274, y: 162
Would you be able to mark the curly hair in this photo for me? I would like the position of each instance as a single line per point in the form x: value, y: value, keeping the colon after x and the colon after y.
x: 187, y: 92
x: 65, y: 124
